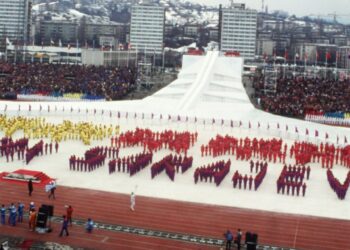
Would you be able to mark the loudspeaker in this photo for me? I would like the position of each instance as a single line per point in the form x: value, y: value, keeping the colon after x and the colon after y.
x: 41, y: 219
x: 48, y: 208
x: 248, y: 237
x: 255, y: 238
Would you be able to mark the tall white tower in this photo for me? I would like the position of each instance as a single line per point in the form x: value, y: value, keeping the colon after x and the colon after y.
x: 15, y: 20
x: 147, y: 27
x: 238, y: 30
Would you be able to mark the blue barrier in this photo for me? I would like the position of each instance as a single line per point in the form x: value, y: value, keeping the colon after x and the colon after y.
x: 335, y: 115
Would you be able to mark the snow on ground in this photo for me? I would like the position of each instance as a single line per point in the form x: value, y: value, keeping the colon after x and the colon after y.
x: 320, y: 200
x: 207, y: 87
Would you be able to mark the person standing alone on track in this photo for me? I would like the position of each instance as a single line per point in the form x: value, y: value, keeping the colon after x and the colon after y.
x: 132, y: 201
x: 64, y: 226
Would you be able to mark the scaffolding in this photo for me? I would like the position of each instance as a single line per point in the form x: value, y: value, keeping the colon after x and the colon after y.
x: 270, y: 80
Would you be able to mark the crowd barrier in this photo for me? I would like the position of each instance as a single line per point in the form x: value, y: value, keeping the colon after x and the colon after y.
x: 54, y: 98
x: 338, y: 118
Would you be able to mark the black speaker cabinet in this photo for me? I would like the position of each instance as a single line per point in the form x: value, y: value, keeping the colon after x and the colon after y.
x: 48, y: 208
x: 255, y: 238
x: 41, y: 219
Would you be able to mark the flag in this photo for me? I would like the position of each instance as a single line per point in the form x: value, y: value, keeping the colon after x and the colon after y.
x: 8, y: 42
x: 286, y: 54
x: 264, y: 55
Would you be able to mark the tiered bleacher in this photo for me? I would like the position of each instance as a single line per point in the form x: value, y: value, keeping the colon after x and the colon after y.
x: 64, y: 82
x: 320, y: 100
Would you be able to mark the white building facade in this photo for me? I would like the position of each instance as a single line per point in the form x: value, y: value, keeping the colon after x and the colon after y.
x: 15, y: 20
x: 147, y: 28
x: 238, y: 30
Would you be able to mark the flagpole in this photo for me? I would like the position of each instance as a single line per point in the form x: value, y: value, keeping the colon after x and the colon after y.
x: 24, y: 52
x: 305, y: 58
x: 325, y: 71
x: 315, y: 64
x: 163, y: 58
x: 295, y: 62
x: 136, y: 56
x: 336, y: 65
x: 6, y: 49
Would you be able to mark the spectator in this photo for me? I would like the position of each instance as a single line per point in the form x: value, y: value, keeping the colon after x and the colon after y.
x: 298, y: 96
x: 111, y: 83
x: 228, y: 237
x: 89, y: 225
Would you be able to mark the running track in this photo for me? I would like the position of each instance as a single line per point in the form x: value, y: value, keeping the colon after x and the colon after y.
x: 286, y: 230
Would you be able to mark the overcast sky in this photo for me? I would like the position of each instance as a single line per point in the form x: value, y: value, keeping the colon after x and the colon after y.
x: 298, y: 7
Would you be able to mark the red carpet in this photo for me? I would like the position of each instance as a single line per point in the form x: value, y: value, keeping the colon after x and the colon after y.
x: 39, y: 178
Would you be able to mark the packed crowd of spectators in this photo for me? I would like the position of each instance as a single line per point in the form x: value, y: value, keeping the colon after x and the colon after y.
x: 58, y: 79
x: 297, y: 97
